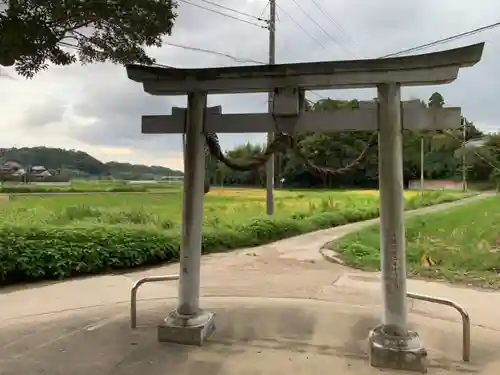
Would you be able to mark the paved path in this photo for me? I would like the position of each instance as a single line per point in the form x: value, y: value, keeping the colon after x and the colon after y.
x: 281, y: 307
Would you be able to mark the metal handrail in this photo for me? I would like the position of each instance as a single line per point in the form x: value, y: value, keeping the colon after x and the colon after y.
x: 133, y: 293
x: 465, y: 319
x: 466, y: 335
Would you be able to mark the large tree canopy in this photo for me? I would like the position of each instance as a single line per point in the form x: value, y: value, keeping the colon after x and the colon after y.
x: 34, y: 33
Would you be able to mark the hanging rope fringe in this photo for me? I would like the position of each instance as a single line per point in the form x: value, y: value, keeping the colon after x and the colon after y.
x: 281, y: 143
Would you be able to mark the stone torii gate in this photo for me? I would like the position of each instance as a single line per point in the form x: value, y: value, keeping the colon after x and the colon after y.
x: 391, y: 344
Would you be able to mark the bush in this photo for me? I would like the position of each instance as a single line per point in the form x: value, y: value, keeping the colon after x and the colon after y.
x: 59, y: 252
x: 47, y: 251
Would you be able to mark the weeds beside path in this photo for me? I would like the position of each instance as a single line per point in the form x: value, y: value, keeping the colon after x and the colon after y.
x: 463, y: 242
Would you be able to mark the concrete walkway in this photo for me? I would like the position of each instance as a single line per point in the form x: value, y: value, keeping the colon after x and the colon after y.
x: 281, y: 308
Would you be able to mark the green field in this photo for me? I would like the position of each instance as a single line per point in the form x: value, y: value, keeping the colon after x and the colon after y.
x: 464, y: 242
x: 86, y: 186
x: 55, y: 236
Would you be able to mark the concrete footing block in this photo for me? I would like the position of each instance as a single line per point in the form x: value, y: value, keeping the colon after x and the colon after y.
x: 397, y: 352
x: 187, y: 330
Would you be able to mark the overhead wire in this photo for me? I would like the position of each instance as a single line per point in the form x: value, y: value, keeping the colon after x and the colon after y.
x: 297, y: 23
x: 334, y: 22
x: 224, y: 14
x: 317, y: 24
x: 235, y: 10
x: 305, y: 31
x: 75, y: 47
x: 447, y: 40
x: 196, y: 49
x: 204, y: 50
x: 444, y: 40
x: 72, y: 46
x: 234, y: 58
x: 264, y: 10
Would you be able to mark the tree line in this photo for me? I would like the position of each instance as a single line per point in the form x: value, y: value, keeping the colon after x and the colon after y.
x: 444, y: 154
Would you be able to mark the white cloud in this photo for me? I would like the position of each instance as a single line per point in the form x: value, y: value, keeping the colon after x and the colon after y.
x: 97, y: 109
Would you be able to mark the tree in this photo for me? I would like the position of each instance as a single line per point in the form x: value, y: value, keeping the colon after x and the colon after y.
x: 240, y: 153
x: 436, y: 100
x: 492, y: 147
x: 34, y: 33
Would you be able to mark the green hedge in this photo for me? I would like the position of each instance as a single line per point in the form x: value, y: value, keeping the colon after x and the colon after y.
x: 30, y: 253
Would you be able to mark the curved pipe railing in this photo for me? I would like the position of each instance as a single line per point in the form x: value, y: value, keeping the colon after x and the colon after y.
x: 133, y: 293
x: 465, y: 319
x: 466, y: 326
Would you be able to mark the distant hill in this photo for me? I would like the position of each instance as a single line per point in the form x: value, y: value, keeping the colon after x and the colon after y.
x: 74, y: 163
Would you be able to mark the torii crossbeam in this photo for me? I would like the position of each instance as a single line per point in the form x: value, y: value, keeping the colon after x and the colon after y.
x: 391, y: 344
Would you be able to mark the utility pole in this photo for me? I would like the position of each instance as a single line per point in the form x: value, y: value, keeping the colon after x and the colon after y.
x: 270, y: 135
x: 422, y: 166
x: 464, y: 156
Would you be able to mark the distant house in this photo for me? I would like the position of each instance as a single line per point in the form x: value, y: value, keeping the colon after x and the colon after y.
x: 39, y: 171
x: 12, y: 168
x: 15, y: 169
x: 38, y: 168
x: 19, y: 172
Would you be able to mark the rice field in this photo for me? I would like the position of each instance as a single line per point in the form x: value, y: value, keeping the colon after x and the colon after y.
x: 223, y: 207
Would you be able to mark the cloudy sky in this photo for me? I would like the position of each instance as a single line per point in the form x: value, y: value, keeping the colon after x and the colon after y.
x: 96, y: 109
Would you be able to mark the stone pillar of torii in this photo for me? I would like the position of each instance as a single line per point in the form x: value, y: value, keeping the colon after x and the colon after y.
x: 392, y: 344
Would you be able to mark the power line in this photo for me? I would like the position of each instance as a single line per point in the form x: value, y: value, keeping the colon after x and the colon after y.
x: 72, y: 46
x: 434, y: 43
x: 333, y: 21
x: 317, y: 24
x: 223, y: 14
x: 298, y: 24
x: 196, y: 49
x: 264, y: 10
x: 234, y: 58
x: 234, y: 10
x: 237, y: 59
x: 444, y: 40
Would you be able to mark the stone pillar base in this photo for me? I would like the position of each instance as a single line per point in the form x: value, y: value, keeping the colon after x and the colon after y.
x: 187, y: 330
x: 389, y: 351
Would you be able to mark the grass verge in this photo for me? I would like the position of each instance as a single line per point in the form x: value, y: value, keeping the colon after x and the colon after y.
x: 464, y: 242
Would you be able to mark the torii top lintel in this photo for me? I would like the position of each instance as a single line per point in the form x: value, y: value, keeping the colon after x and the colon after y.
x: 417, y: 70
